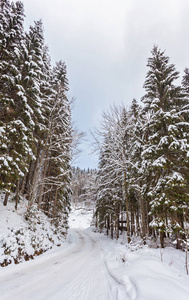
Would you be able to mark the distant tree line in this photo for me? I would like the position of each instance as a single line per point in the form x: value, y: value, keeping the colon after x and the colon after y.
x: 143, y: 177
x: 35, y: 118
x: 83, y: 187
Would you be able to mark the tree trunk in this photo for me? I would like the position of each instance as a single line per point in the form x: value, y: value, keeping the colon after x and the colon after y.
x: 186, y: 236
x: 127, y: 207
x: 107, y: 225
x: 35, y: 177
x: 43, y: 185
x: 117, y: 222
x: 117, y: 228
x: 6, y: 199
x: 23, y: 184
x: 143, y: 227
x: 96, y: 221
x: 137, y: 222
x: 55, y: 202
x: 29, y: 179
x: 162, y: 236
x: 112, y: 227
x: 132, y: 223
x: 32, y: 174
x: 121, y: 227
x: 17, y: 194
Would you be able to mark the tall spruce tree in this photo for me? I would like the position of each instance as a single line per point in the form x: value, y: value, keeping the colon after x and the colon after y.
x: 35, y: 118
x: 166, y: 149
x: 56, y: 170
x: 137, y: 182
x: 13, y: 138
x: 37, y: 75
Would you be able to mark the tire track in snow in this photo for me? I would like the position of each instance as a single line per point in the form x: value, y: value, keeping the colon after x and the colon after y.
x: 99, y: 270
x: 117, y: 286
x: 79, y: 272
x: 124, y: 281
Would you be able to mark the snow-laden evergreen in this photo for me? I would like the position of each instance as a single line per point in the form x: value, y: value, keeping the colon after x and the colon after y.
x: 35, y: 120
x: 165, y: 153
x: 146, y: 150
x: 13, y: 137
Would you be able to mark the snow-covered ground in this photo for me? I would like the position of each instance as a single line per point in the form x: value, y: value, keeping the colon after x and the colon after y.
x: 80, y: 218
x: 24, y: 235
x: 90, y: 266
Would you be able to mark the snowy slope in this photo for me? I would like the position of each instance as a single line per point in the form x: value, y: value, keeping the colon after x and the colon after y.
x: 90, y: 266
x: 24, y: 236
x: 80, y: 218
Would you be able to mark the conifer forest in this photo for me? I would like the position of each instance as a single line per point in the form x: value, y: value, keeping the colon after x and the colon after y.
x: 117, y: 229
x: 141, y: 185
x: 35, y: 118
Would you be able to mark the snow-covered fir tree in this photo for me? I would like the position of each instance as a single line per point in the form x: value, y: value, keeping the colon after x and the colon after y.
x: 165, y: 153
x: 58, y: 150
x: 13, y: 137
x: 146, y: 149
x: 35, y: 118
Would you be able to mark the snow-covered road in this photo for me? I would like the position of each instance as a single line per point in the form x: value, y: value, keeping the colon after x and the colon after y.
x: 78, y: 272
x: 91, y: 266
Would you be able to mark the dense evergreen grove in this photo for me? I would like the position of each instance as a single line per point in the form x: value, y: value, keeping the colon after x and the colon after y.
x: 142, y: 182
x: 35, y: 118
x: 143, y: 177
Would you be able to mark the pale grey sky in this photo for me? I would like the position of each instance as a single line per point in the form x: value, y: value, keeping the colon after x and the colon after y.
x: 105, y: 45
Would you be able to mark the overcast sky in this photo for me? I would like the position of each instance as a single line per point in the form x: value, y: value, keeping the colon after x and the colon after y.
x: 105, y: 45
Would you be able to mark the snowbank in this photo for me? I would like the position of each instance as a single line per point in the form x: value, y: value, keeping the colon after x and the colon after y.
x: 146, y: 273
x: 24, y: 235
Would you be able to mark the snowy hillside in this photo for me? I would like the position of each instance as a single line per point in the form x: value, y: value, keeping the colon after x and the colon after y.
x: 80, y: 218
x: 24, y: 236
